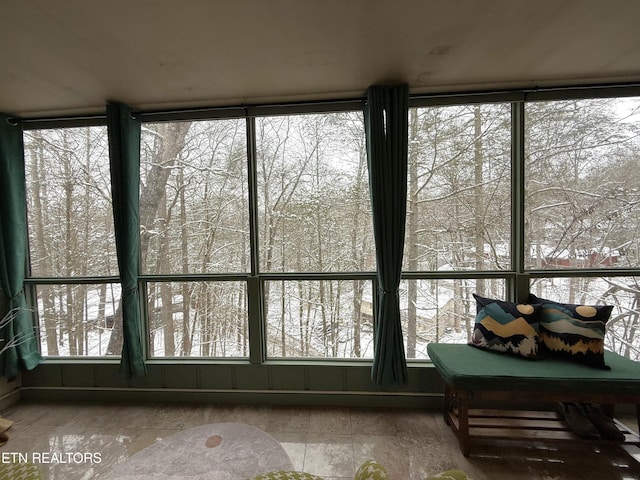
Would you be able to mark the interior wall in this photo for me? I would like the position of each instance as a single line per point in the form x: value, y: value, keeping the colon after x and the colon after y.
x: 343, y: 383
x: 9, y: 391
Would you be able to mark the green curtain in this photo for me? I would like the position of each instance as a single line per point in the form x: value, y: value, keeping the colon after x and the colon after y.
x: 124, y: 154
x: 19, y: 342
x: 386, y: 124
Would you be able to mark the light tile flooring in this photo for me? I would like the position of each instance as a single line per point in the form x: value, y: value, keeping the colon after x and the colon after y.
x: 330, y: 442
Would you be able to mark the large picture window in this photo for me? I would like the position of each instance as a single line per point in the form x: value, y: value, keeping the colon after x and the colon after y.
x: 256, y: 238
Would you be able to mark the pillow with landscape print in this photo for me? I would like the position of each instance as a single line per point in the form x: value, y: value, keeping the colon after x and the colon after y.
x: 575, y: 332
x: 506, y: 327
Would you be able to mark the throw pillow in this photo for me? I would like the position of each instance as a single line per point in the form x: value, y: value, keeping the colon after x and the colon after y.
x: 371, y: 470
x: 506, y: 326
x: 575, y: 332
x: 450, y: 475
x: 286, y: 476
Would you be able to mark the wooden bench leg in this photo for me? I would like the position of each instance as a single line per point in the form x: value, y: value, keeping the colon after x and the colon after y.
x: 457, y: 400
x: 448, y: 403
x: 463, y: 423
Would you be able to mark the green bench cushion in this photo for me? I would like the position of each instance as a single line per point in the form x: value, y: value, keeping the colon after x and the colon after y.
x: 466, y: 367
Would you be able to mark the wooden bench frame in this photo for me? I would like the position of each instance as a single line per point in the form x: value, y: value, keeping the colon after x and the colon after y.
x: 468, y: 424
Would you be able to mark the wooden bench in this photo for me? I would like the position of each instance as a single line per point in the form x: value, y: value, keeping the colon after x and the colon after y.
x: 474, y: 375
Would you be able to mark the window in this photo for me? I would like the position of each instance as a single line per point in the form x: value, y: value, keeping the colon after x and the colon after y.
x: 582, y: 208
x: 312, y: 209
x: 259, y: 227
x: 194, y: 221
x: 459, y: 188
x: 441, y: 310
x: 458, y: 218
x: 582, y: 197
x: 198, y: 319
x: 314, y: 217
x: 313, y: 194
x: 320, y: 319
x: 193, y: 198
x: 71, y: 240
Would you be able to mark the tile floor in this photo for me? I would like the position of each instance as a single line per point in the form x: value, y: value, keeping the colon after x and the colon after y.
x: 330, y: 442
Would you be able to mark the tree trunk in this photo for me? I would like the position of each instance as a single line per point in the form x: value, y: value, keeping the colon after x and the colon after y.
x: 358, y: 254
x: 412, y: 248
x: 70, y: 251
x: 38, y: 214
x: 478, y: 158
x: 185, y: 349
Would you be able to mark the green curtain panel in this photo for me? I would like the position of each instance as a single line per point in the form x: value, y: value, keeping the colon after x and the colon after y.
x: 124, y: 154
x: 386, y: 117
x: 19, y: 344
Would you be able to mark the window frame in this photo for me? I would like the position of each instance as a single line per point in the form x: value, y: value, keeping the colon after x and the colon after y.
x: 255, y: 279
x: 32, y: 282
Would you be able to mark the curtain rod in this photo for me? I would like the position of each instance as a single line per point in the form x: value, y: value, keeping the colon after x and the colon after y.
x: 250, y: 110
x: 49, y: 122
x: 536, y: 89
x: 247, y: 110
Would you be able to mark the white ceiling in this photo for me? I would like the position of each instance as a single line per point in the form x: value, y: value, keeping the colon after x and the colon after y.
x: 72, y: 56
